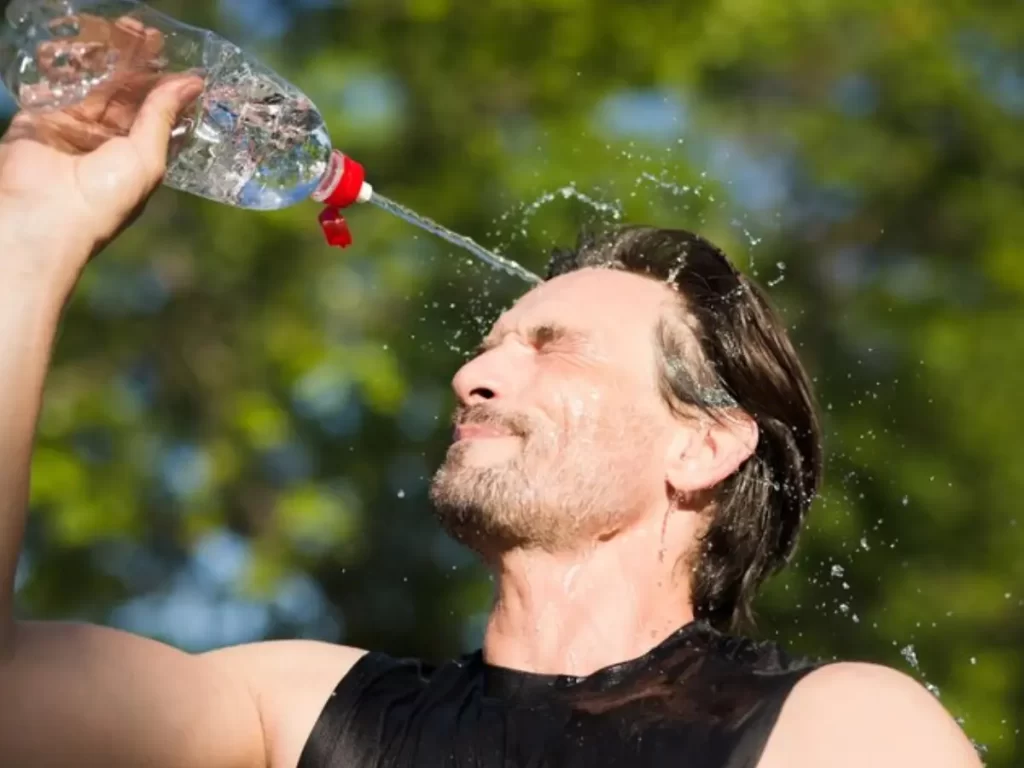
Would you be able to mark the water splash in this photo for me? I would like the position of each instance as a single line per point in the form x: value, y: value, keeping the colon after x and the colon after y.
x: 489, y: 257
x: 679, y: 190
x: 781, y: 266
x: 571, y: 192
x: 521, y: 215
x: 910, y: 655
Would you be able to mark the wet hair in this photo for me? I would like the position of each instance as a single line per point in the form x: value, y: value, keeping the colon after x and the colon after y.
x: 743, y: 358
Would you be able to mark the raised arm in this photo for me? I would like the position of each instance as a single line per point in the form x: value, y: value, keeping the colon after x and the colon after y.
x: 78, y: 695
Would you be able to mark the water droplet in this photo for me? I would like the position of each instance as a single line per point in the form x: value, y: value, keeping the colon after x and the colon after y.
x: 910, y: 655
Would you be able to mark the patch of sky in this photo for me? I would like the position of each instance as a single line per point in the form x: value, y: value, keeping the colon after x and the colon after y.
x: 198, y: 611
x: 758, y: 182
x: 654, y: 114
x: 260, y: 19
x: 820, y: 205
x: 219, y: 560
x: 328, y: 396
x: 192, y: 620
x: 185, y: 470
x: 999, y: 73
x: 301, y: 603
x: 371, y: 100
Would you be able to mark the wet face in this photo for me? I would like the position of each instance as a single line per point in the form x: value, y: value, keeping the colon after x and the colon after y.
x: 561, y: 433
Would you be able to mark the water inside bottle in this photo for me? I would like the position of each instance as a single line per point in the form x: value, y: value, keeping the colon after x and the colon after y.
x: 60, y: 68
x: 254, y: 140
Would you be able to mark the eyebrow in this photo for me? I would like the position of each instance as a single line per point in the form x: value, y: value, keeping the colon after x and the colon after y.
x: 538, y: 335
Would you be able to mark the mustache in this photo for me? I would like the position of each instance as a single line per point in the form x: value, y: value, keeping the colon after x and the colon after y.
x: 485, y: 415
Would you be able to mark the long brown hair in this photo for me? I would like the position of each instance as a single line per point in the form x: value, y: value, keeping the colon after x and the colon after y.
x: 747, y: 361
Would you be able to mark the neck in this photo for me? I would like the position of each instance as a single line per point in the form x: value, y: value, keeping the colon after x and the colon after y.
x: 575, y: 613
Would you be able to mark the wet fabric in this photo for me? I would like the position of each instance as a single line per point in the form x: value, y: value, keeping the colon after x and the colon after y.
x: 701, y: 699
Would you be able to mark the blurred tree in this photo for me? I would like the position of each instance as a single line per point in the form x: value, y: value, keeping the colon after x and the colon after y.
x: 241, y: 423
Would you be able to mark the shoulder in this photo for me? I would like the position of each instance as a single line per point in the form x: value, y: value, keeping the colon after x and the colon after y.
x: 853, y: 714
x: 290, y: 683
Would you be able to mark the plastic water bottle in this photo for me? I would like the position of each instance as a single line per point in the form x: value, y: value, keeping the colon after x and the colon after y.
x: 251, y: 140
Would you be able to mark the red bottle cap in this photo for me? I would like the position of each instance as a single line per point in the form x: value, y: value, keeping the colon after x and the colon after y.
x: 347, y: 192
x: 342, y: 186
x: 342, y: 183
x: 335, y: 227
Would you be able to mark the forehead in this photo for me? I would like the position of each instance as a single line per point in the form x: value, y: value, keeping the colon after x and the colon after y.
x: 606, y: 304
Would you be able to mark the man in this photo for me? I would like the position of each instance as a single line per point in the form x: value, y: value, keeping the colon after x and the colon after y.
x: 635, y: 451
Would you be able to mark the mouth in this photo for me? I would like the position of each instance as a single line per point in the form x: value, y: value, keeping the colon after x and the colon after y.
x: 478, y: 432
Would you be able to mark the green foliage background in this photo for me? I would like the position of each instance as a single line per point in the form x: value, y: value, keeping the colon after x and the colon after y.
x: 241, y: 423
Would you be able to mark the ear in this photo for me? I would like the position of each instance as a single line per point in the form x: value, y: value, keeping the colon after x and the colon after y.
x: 705, y: 451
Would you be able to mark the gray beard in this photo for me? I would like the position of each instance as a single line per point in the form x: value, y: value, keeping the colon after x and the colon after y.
x: 486, y: 509
x: 493, y: 510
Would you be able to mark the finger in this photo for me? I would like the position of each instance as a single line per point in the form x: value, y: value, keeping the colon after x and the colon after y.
x: 125, y: 104
x: 128, y: 36
x: 151, y: 133
x: 97, y: 100
x: 130, y: 24
x: 134, y: 32
x: 153, y: 49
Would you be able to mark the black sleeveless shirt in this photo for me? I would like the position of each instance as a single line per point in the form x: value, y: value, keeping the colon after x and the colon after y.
x: 701, y: 699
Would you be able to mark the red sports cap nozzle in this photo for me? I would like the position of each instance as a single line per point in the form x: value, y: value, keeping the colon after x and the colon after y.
x: 344, y: 183
x: 335, y: 228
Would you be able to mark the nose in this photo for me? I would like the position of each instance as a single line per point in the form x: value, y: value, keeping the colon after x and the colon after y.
x: 489, y: 376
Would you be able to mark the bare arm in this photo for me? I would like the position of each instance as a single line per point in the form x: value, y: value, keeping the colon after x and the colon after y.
x: 83, y: 695
x: 855, y: 715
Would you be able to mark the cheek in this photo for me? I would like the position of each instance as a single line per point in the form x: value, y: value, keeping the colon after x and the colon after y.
x: 590, y: 418
x: 580, y: 407
x: 602, y: 416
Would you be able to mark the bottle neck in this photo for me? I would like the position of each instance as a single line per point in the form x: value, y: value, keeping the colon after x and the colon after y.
x: 344, y: 183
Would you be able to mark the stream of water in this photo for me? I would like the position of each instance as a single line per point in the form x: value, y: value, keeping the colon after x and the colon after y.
x: 489, y: 257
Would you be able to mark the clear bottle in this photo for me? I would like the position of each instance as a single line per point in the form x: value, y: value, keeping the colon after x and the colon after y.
x: 252, y: 139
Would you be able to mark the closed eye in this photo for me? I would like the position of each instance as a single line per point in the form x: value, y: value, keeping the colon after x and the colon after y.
x: 541, y: 338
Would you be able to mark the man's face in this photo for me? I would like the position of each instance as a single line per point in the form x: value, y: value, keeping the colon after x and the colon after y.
x: 561, y: 433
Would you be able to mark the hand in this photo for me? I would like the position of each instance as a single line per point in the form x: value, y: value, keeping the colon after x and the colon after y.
x: 70, y: 180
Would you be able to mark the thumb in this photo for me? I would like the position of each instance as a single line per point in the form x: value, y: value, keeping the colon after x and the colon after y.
x: 151, y: 133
